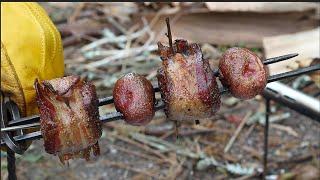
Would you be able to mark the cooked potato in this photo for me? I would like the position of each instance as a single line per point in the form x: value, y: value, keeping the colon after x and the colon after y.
x: 134, y: 97
x: 243, y: 73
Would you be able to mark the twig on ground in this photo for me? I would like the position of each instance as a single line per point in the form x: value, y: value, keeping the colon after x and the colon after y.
x: 247, y: 177
x: 236, y: 133
x: 167, y: 134
x: 203, y: 160
x: 117, y: 25
x: 287, y: 129
x: 120, y: 53
x: 246, y: 136
x: 125, y: 53
x: 300, y: 159
x: 154, y: 159
x: 142, y: 146
x: 184, y: 132
x: 128, y: 167
x: 175, y: 170
x: 122, y: 38
x: 252, y: 151
x: 76, y: 12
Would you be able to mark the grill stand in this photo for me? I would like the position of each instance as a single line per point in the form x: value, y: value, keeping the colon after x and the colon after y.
x: 266, y: 135
x: 9, y: 112
x: 11, y: 160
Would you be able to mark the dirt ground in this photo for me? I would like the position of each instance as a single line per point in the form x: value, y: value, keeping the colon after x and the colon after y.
x: 286, y: 152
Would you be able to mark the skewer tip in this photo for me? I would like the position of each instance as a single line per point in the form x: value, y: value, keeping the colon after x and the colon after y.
x: 293, y: 55
x: 169, y: 35
x: 279, y: 58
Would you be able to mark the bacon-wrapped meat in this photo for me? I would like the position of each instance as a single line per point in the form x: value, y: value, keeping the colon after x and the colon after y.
x: 187, y: 84
x: 134, y: 97
x: 243, y: 73
x: 69, y: 117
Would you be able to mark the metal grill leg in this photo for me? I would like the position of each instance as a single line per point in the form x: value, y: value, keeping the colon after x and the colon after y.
x: 266, y: 134
x: 11, y: 159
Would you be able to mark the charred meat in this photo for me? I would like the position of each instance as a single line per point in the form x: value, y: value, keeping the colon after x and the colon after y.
x: 187, y: 84
x: 69, y: 117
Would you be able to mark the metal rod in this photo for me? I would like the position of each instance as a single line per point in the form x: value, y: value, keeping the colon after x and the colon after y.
x: 169, y: 35
x: 25, y: 120
x: 279, y: 58
x: 104, y: 119
x: 307, y: 111
x: 29, y: 136
x: 316, y: 94
x: 105, y: 101
x: 266, y: 61
x: 297, y: 72
x: 36, y: 118
x: 266, y: 135
x: 111, y: 117
x: 14, y: 128
x: 109, y: 100
x: 11, y: 159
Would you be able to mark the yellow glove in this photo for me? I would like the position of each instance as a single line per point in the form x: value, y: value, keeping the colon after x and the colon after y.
x: 30, y: 48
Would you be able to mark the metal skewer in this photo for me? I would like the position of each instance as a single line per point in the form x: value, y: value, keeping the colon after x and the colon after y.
x: 32, y: 121
x: 109, y: 100
x: 294, y: 73
x: 25, y: 126
x: 25, y: 120
x: 37, y: 135
x: 279, y: 58
x: 268, y: 61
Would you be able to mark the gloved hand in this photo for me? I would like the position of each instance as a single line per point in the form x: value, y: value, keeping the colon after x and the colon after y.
x: 30, y: 48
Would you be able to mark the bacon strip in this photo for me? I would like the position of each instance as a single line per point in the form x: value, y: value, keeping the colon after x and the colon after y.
x: 69, y: 117
x: 186, y: 81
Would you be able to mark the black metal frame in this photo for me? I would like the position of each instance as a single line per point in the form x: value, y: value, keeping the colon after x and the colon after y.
x: 8, y: 112
x: 266, y: 139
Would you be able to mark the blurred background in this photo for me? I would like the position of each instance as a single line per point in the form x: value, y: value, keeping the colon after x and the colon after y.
x: 103, y: 41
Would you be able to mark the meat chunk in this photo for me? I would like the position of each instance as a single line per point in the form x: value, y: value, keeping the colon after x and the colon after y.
x: 187, y: 84
x: 243, y: 73
x: 134, y: 97
x: 69, y: 117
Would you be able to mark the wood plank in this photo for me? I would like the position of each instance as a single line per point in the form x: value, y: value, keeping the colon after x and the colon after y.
x: 305, y: 43
x: 232, y: 28
x: 261, y: 6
